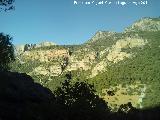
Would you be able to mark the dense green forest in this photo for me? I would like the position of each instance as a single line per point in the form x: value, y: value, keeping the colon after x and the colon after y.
x: 144, y: 67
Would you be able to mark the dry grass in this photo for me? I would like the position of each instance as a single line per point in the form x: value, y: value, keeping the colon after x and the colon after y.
x: 123, y: 95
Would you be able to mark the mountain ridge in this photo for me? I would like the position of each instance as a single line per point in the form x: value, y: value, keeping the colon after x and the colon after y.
x: 98, y: 59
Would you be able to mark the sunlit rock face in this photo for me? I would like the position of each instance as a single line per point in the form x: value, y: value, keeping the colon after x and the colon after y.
x: 101, y: 35
x: 103, y: 49
x: 145, y: 24
x: 45, y: 44
x: 116, y: 54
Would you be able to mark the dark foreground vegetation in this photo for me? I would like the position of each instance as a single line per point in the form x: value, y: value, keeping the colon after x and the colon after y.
x: 22, y: 99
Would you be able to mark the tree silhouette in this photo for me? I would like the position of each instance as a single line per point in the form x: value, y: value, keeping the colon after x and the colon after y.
x: 81, y: 102
x: 26, y: 47
x: 6, y: 5
x: 6, y: 51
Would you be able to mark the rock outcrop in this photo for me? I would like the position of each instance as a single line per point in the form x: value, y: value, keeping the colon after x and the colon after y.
x: 145, y: 24
x: 103, y: 49
x: 116, y: 54
x: 100, y: 35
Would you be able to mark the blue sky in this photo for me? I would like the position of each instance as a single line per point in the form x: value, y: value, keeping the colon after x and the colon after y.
x: 62, y: 22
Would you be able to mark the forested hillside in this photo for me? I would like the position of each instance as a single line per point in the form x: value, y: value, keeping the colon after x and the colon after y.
x: 123, y: 67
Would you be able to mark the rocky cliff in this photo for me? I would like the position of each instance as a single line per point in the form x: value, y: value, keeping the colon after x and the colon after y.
x: 94, y: 59
x: 100, y: 51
